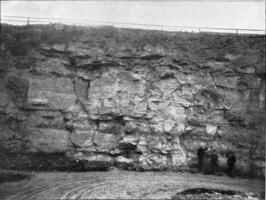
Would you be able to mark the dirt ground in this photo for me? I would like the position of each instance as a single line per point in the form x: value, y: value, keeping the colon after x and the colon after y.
x: 118, y: 185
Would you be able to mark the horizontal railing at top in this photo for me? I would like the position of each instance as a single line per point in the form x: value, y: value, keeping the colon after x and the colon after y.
x: 22, y: 20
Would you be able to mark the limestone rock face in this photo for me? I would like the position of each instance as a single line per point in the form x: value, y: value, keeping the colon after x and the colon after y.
x: 51, y: 93
x: 47, y: 140
x: 18, y: 88
x: 137, y: 97
x: 52, y: 66
x: 4, y: 97
x: 119, y: 93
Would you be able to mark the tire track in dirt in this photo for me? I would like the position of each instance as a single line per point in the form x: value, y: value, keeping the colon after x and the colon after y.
x: 123, y: 185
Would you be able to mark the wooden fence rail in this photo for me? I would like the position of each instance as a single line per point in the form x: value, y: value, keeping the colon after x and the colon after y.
x: 22, y: 20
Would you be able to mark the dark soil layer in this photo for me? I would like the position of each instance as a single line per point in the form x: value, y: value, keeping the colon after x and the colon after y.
x: 191, y: 47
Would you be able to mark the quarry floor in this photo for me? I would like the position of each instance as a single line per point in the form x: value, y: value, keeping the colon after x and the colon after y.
x: 118, y: 185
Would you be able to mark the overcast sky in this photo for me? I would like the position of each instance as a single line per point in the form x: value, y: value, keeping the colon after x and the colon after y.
x: 211, y: 14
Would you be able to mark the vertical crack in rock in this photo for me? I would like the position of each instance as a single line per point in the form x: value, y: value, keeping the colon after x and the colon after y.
x: 81, y: 90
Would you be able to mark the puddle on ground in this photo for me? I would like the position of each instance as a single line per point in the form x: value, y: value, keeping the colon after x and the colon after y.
x: 208, y: 193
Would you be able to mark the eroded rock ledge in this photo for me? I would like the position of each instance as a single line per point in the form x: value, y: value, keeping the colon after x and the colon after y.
x: 135, y: 96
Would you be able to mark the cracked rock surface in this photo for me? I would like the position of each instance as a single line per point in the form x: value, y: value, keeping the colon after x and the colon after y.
x: 134, y: 96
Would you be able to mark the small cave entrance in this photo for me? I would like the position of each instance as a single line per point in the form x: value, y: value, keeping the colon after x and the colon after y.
x: 208, y: 193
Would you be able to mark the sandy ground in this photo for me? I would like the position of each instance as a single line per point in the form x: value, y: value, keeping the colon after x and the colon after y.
x: 118, y: 185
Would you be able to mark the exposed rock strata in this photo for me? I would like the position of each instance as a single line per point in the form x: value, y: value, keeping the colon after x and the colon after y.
x: 147, y: 103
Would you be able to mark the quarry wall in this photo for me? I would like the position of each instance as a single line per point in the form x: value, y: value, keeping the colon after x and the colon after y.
x: 144, y: 97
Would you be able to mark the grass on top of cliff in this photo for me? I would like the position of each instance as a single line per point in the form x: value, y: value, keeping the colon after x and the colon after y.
x: 20, y: 40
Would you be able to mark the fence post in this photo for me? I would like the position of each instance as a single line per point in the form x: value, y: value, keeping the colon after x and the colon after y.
x: 28, y: 21
x: 199, y: 30
x: 236, y: 31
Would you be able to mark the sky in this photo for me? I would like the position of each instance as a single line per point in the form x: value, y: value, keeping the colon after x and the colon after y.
x: 250, y: 15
